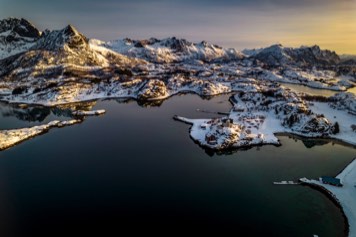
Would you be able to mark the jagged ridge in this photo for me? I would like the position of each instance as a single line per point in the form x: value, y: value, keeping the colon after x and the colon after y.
x: 277, y: 55
x: 170, y: 50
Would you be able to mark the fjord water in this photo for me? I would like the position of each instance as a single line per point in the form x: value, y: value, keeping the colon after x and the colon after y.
x: 136, y: 169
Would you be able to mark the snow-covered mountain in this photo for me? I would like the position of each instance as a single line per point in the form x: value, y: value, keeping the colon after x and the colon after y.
x: 16, y: 36
x: 62, y: 66
x: 62, y: 53
x: 57, y: 39
x: 277, y: 55
x: 170, y: 50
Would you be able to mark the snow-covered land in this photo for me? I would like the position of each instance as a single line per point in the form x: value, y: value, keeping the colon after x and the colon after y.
x: 346, y: 121
x: 345, y: 195
x: 225, y: 133
x: 63, y: 66
x: 9, y: 138
x: 257, y: 115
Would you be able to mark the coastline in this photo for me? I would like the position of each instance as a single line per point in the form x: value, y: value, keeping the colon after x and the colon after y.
x: 269, y: 128
x: 334, y: 200
x: 343, y: 196
x: 12, y: 137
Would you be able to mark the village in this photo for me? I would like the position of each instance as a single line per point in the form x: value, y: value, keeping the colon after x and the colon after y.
x: 256, y: 116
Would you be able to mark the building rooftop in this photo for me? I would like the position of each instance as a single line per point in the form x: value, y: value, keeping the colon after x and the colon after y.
x: 331, y: 180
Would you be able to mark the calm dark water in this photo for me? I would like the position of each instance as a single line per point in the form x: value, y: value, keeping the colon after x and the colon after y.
x: 314, y: 91
x: 136, y: 169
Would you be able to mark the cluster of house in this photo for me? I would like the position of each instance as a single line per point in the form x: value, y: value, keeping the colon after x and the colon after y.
x: 220, y: 124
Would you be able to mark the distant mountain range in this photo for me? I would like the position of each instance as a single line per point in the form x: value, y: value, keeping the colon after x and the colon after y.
x: 277, y: 55
x: 41, y: 64
x: 19, y: 35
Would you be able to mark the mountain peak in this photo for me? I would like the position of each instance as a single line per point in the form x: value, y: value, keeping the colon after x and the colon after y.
x: 21, y: 27
x: 68, y: 36
x: 70, y: 30
x: 16, y: 36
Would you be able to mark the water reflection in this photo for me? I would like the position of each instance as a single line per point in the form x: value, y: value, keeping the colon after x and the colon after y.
x: 314, y: 91
x: 31, y: 114
x: 309, y: 90
x: 159, y: 103
x: 36, y: 113
x: 152, y: 103
x: 307, y: 142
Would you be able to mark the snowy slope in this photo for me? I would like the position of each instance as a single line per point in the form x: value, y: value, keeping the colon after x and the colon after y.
x: 169, y: 50
x: 64, y: 54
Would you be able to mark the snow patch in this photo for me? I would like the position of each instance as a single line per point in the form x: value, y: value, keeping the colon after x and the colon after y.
x: 9, y: 138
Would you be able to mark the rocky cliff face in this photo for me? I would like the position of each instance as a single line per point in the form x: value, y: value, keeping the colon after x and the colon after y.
x: 16, y: 36
x: 59, y: 39
x: 19, y: 27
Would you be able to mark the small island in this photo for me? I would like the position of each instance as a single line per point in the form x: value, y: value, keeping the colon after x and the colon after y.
x: 257, y: 115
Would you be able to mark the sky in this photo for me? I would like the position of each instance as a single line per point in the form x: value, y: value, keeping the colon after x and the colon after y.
x: 240, y: 24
